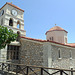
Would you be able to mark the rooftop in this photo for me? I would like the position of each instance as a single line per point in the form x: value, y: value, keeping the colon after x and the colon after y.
x: 12, y: 5
x: 39, y: 40
x: 56, y: 28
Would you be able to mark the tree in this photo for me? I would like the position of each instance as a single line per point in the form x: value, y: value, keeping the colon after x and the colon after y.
x: 6, y: 36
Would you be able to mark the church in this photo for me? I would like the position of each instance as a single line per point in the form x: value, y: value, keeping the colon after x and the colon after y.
x: 53, y: 52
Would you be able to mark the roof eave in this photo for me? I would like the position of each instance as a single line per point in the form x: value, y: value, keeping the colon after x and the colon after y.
x: 55, y: 30
x: 47, y: 41
x: 11, y: 5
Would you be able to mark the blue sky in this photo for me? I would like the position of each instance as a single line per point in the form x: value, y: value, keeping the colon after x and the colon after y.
x: 41, y: 15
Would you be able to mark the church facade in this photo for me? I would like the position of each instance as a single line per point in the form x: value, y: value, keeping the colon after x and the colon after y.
x: 53, y: 52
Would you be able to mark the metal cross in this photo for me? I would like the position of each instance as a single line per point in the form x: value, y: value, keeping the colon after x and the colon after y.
x: 55, y: 24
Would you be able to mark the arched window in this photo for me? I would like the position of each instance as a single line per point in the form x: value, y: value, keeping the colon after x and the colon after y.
x: 59, y: 53
x: 11, y: 22
x: 52, y: 39
x: 70, y: 54
x: 18, y: 25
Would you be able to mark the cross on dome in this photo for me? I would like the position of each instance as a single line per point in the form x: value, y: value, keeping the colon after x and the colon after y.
x: 55, y: 24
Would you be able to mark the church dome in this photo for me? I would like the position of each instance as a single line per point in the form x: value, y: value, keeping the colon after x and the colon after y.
x: 56, y: 28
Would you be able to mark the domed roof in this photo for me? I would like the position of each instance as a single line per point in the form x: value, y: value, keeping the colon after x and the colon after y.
x: 56, y: 28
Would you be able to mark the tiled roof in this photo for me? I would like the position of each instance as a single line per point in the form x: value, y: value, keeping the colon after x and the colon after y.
x: 56, y: 28
x: 68, y: 45
x: 71, y: 44
x: 12, y: 5
x: 34, y: 39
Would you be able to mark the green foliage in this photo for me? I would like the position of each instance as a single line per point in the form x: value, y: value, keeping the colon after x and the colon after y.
x: 6, y: 36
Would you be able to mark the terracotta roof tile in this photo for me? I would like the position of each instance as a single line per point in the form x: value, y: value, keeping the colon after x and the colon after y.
x: 34, y: 39
x: 56, y: 28
x: 13, y: 6
x: 48, y: 41
x: 71, y: 44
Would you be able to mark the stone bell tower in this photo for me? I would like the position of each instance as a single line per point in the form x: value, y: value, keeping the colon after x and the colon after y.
x: 11, y: 17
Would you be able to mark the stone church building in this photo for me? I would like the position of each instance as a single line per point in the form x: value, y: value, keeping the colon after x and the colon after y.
x: 53, y: 52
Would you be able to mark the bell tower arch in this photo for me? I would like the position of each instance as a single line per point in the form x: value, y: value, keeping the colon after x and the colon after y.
x: 18, y: 25
x: 10, y: 22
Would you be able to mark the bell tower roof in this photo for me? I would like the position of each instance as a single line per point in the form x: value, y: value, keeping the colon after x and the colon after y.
x: 12, y: 6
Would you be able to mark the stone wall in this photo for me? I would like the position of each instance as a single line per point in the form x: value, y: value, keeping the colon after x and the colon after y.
x: 46, y: 54
x: 65, y: 61
x: 31, y: 52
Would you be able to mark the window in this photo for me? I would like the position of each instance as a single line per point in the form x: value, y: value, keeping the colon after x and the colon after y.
x: 51, y: 38
x: 18, y: 25
x: 70, y: 54
x: 59, y: 53
x: 2, y: 21
x: 11, y: 22
x: 12, y: 52
x: 65, y: 40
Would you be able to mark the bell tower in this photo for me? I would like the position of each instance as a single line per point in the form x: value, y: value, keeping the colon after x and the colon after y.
x: 11, y: 17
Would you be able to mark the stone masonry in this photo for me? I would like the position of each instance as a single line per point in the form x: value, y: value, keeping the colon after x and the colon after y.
x: 46, y: 54
x: 65, y: 61
x: 31, y: 53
